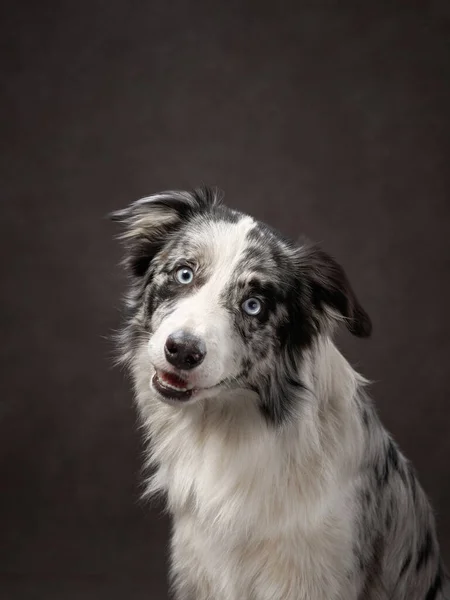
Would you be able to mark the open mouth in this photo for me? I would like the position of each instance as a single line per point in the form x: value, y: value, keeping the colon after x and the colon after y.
x: 171, y: 386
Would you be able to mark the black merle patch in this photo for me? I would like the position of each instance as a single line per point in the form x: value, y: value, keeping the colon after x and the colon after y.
x: 365, y: 417
x: 298, y: 285
x: 368, y: 497
x: 436, y: 586
x: 144, y: 240
x: 388, y: 465
x: 425, y: 552
x: 331, y: 288
x: 412, y: 481
x: 373, y: 568
x: 405, y: 564
x: 388, y: 517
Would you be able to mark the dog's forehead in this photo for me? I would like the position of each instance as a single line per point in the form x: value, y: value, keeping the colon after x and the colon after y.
x: 237, y: 247
x: 217, y: 244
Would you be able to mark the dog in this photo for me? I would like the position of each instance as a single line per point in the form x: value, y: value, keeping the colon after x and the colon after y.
x: 280, y: 479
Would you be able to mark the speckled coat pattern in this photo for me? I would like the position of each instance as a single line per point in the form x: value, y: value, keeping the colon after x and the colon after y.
x: 281, y: 481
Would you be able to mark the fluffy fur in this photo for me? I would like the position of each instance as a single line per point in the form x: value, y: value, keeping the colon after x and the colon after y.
x: 281, y: 481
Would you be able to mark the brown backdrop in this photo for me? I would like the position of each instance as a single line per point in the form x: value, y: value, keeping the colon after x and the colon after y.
x: 317, y: 117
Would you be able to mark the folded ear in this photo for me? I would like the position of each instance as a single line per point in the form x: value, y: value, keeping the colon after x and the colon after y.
x: 150, y: 221
x: 330, y: 290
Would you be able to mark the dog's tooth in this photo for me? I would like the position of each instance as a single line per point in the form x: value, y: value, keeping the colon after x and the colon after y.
x: 173, y: 387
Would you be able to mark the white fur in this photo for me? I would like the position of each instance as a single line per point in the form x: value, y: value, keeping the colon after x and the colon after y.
x: 202, y: 313
x: 260, y: 514
x: 319, y: 506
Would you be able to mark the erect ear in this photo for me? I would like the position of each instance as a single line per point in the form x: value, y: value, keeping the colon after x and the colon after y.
x: 149, y: 222
x: 330, y: 290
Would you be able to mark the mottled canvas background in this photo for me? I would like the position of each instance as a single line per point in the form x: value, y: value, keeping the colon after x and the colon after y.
x: 325, y: 118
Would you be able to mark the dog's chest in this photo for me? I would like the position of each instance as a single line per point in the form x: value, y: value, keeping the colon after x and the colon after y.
x: 285, y: 566
x: 218, y: 471
x: 242, y: 518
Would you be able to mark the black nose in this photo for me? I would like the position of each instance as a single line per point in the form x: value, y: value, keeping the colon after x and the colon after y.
x: 184, y: 350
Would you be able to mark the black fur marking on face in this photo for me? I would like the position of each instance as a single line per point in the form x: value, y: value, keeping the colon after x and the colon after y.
x: 170, y: 288
x: 145, y: 233
x: 301, y: 288
x: 280, y: 331
x: 303, y: 282
x: 322, y: 279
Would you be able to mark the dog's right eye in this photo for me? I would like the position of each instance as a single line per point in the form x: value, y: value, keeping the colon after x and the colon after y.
x: 184, y: 275
x: 252, y: 306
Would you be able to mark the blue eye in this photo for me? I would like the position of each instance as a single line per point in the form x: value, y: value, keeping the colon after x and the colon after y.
x: 185, y: 275
x: 252, y: 306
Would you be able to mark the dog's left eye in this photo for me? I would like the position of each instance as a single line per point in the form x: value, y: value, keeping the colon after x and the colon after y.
x: 184, y: 275
x: 252, y: 306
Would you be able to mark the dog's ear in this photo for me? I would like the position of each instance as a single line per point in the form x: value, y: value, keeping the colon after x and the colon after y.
x: 330, y: 290
x: 149, y: 222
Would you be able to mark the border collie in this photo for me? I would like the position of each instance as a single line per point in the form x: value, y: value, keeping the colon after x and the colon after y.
x: 280, y: 479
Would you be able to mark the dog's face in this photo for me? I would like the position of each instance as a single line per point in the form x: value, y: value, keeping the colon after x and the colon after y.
x: 221, y: 301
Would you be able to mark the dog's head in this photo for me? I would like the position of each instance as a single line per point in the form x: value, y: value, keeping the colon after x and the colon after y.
x: 223, y: 301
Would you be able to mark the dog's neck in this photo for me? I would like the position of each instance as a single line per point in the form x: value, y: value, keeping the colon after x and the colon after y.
x: 227, y: 442
x: 328, y: 374
x: 224, y: 444
x: 330, y: 415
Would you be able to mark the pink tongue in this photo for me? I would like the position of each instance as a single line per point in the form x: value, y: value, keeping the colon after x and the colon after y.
x: 173, y: 380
